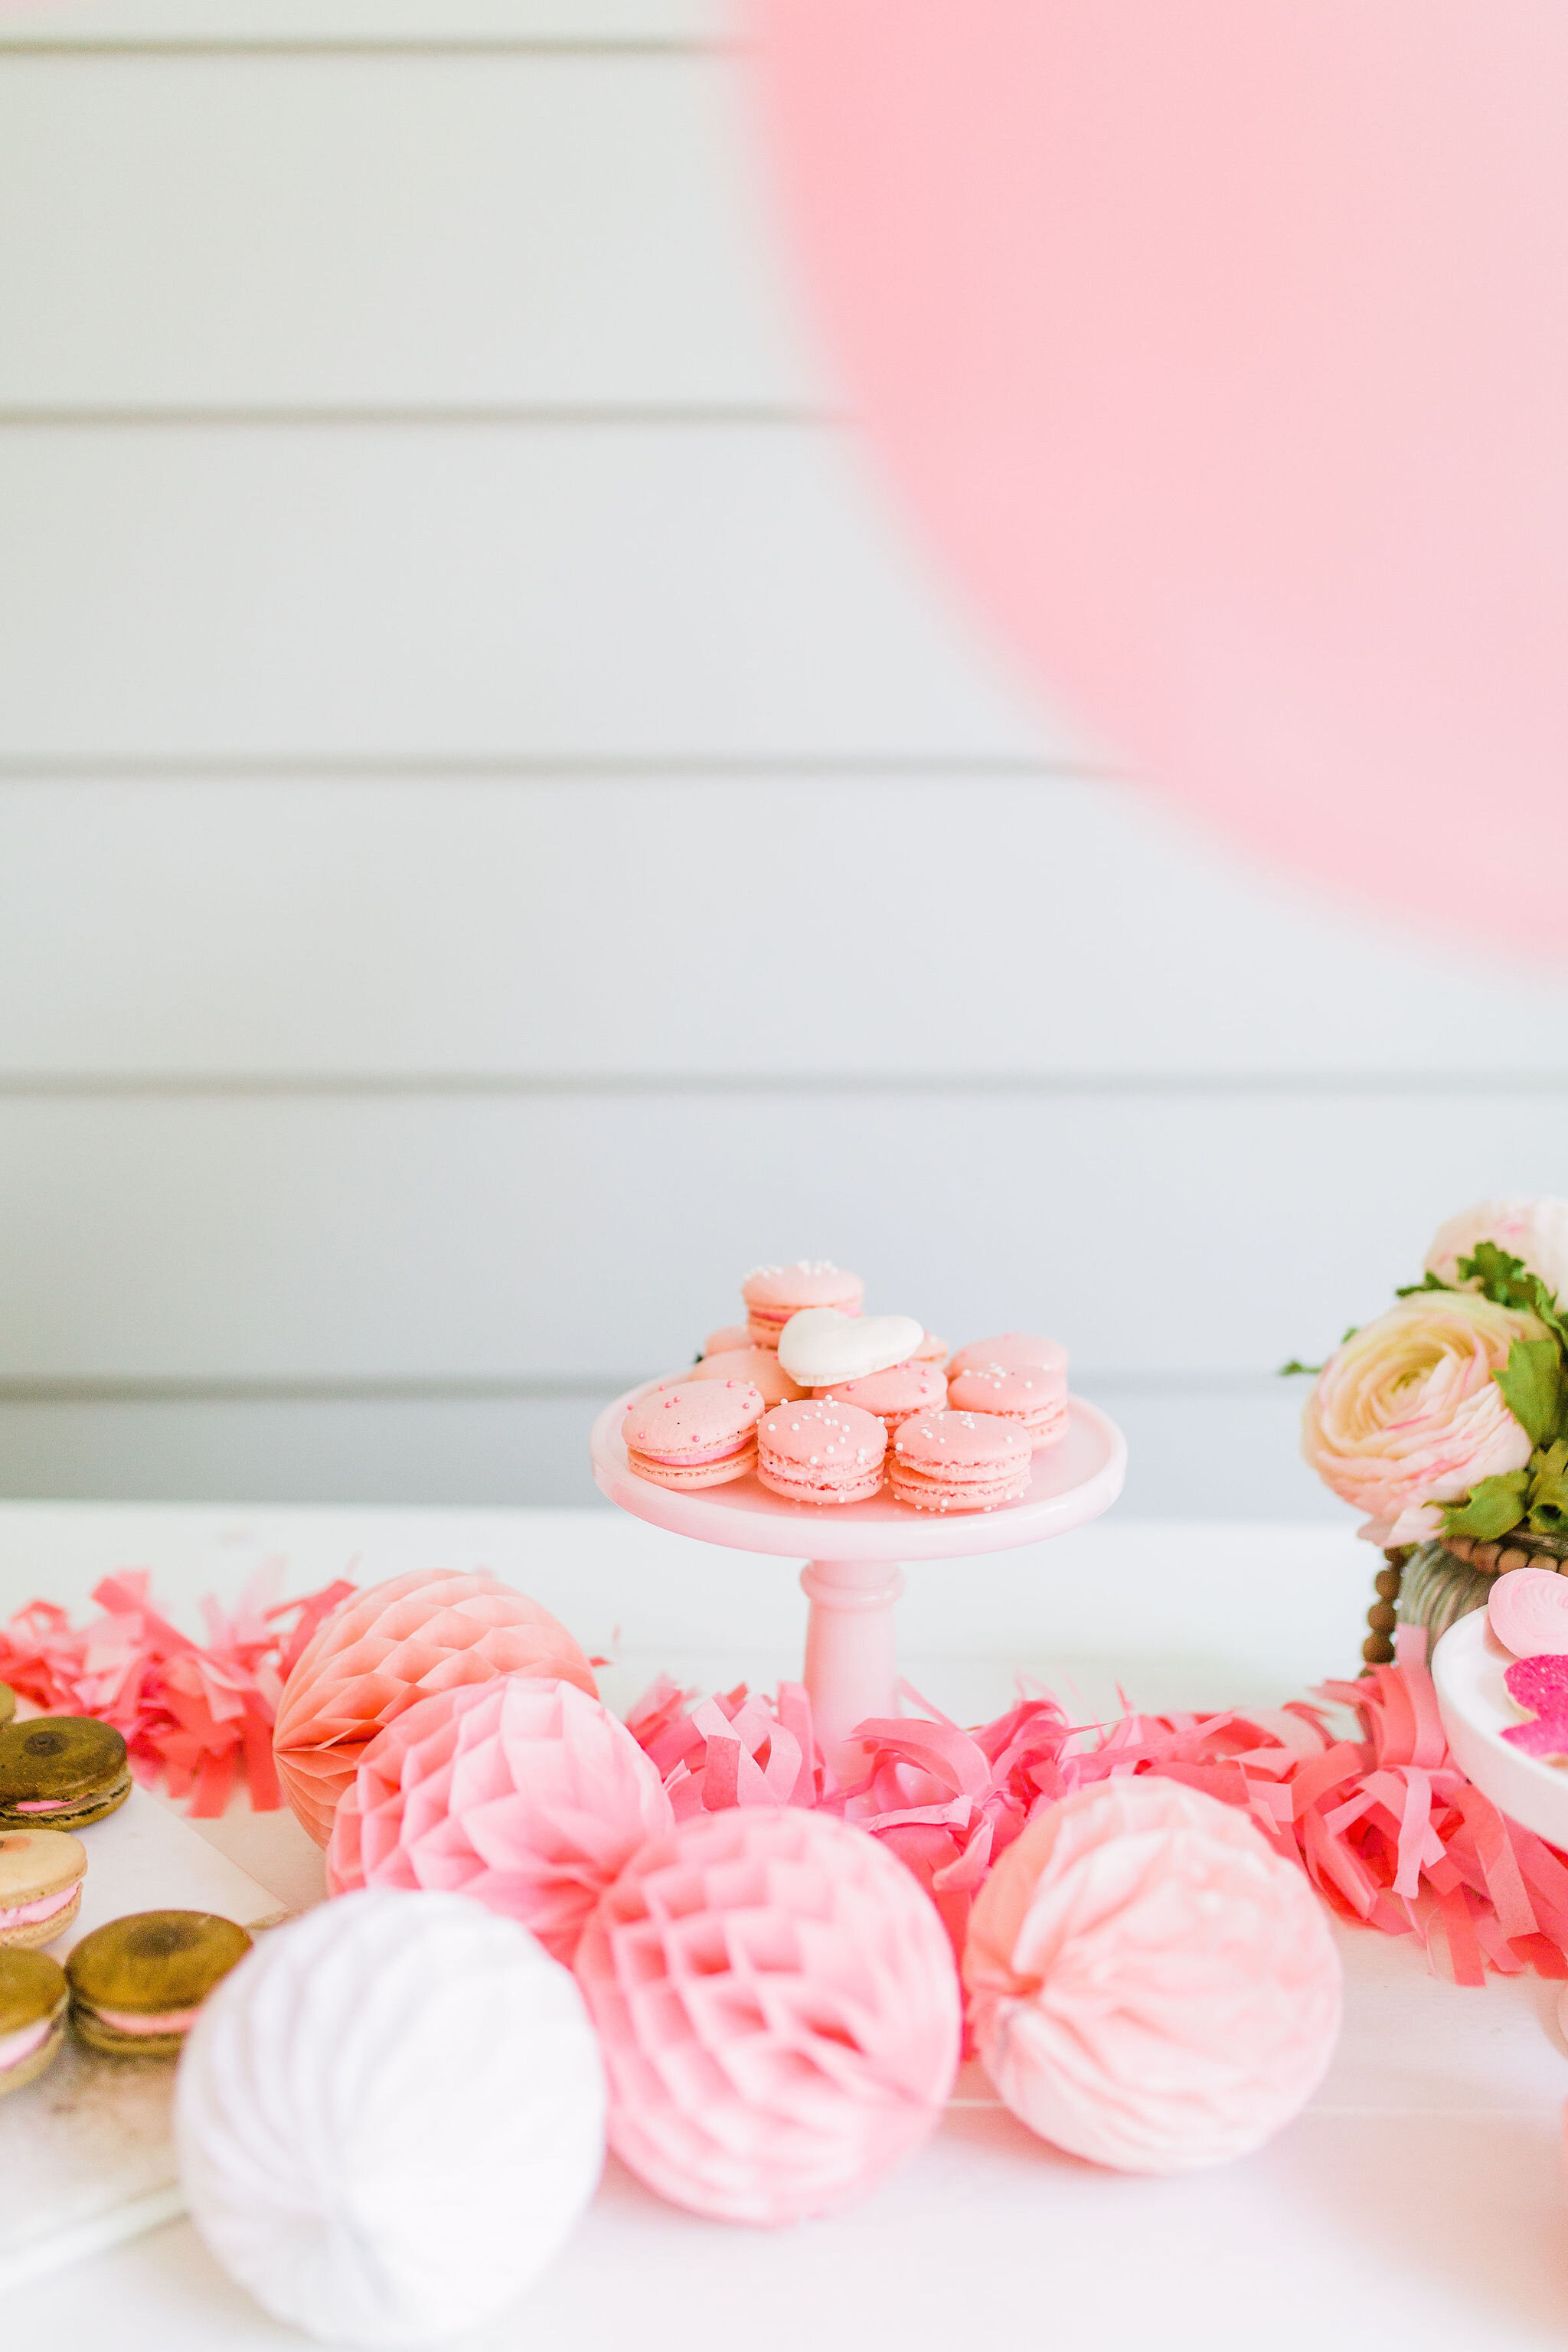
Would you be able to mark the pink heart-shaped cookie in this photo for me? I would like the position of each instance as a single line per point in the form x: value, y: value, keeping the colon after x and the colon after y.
x: 1528, y: 1612
x: 1540, y: 1686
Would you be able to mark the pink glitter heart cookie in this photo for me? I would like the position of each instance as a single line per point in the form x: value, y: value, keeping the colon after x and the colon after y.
x: 821, y: 1452
x: 1539, y: 1687
x: 959, y: 1462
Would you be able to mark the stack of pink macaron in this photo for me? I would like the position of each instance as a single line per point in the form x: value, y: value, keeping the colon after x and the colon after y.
x: 824, y: 1403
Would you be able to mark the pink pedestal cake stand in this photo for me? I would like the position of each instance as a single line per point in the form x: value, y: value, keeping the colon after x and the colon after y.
x: 1467, y: 1668
x: 853, y: 1579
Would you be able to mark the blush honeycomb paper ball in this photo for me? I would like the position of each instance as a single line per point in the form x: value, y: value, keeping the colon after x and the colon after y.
x: 386, y: 1649
x: 389, y: 2116
x: 527, y: 1795
x: 1149, y: 1985
x: 778, y: 2011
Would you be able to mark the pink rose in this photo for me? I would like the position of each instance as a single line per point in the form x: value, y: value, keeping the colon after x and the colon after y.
x: 1149, y: 1985
x: 1535, y: 1231
x: 1407, y: 1413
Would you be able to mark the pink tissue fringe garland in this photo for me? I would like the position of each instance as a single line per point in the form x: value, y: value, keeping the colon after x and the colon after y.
x: 1387, y: 1828
x: 199, y: 1714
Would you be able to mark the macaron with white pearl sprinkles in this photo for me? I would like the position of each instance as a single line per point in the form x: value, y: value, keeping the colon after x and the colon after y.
x: 773, y: 1293
x: 1034, y: 1398
x: 959, y: 1462
x: 41, y: 1872
x: 821, y: 1452
x: 136, y: 1984
x: 697, y: 1434
x: 33, y: 2000
x: 893, y: 1395
x: 1011, y: 1351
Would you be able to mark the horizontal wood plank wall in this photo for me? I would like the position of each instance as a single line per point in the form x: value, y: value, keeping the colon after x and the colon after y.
x: 426, y: 26
x: 565, y: 591
x: 499, y: 829
x: 429, y: 244
x: 436, y: 929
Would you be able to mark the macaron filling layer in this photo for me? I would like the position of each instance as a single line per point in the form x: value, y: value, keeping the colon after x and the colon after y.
x: 27, y: 1914
x: 142, y: 2026
x: 17, y: 2048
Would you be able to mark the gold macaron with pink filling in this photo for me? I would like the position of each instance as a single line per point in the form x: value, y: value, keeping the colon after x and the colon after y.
x: 136, y: 1984
x: 41, y: 1872
x: 33, y: 2000
x: 60, y: 1772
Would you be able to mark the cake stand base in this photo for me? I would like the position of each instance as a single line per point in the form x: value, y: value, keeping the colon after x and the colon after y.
x: 850, y: 1644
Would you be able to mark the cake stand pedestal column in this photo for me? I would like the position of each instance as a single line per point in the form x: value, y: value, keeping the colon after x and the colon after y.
x: 850, y: 1643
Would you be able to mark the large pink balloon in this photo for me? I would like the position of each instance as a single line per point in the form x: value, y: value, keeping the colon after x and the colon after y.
x: 1222, y: 346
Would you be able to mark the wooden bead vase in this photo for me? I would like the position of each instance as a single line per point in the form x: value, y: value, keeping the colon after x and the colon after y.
x: 1434, y: 1584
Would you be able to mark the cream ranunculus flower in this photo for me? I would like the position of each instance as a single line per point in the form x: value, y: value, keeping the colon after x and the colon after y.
x: 1407, y: 1413
x: 1535, y: 1231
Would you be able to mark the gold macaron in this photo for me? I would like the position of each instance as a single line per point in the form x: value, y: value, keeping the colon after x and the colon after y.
x: 8, y: 1702
x: 33, y: 1998
x: 136, y: 1984
x: 60, y: 1772
x: 41, y: 1872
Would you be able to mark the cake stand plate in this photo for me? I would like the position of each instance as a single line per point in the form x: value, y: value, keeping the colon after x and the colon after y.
x: 1467, y: 1667
x: 853, y: 1575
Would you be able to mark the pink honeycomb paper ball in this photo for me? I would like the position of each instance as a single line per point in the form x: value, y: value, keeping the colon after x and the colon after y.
x: 527, y: 1795
x: 778, y: 2011
x: 1150, y: 1986
x: 386, y: 1649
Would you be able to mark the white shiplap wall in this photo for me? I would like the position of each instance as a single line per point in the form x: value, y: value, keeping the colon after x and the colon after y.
x: 498, y: 829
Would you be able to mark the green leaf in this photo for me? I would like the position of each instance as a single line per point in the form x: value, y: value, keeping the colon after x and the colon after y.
x: 1532, y: 1382
x: 1490, y: 1508
x: 1548, y: 1490
x: 1427, y: 1282
x: 1295, y: 1366
x: 1508, y: 1282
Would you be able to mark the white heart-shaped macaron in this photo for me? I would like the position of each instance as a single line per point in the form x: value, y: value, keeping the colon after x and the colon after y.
x: 819, y: 1346
x: 1528, y: 1609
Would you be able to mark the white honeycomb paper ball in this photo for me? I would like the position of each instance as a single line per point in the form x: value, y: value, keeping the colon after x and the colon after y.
x: 389, y: 2116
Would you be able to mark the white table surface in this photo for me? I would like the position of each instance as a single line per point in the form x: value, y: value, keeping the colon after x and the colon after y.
x: 1420, y: 2201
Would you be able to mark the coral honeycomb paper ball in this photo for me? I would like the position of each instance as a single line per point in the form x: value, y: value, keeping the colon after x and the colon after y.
x: 389, y: 2116
x: 527, y: 1795
x: 778, y: 2011
x: 1149, y: 1985
x: 386, y: 1649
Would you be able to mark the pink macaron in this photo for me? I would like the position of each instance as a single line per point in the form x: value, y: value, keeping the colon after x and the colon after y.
x: 821, y: 1452
x: 959, y: 1462
x: 698, y: 1433
x: 726, y: 1340
x: 893, y: 1395
x: 1012, y: 1351
x: 773, y: 1293
x: 1034, y: 1398
x: 932, y: 1350
x: 760, y: 1366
